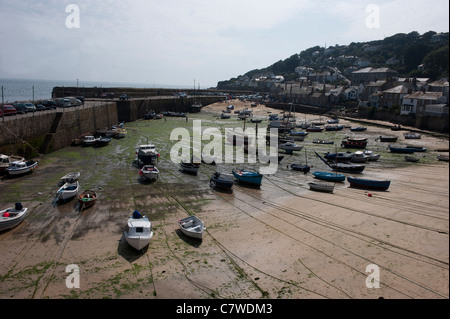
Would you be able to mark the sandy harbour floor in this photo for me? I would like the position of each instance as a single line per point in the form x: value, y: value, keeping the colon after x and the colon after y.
x: 279, y: 241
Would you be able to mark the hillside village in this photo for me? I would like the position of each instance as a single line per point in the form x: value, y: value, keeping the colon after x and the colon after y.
x: 325, y: 78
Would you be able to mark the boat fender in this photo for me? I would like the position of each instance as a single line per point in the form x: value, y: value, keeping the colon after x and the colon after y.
x: 370, y: 194
x: 6, y: 214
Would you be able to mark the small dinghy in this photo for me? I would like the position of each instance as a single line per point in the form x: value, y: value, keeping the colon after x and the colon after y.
x: 149, y: 172
x: 70, y: 177
x: 11, y: 217
x: 192, y: 226
x: 68, y: 190
x: 138, y: 231
x: 321, y: 187
x: 87, y: 198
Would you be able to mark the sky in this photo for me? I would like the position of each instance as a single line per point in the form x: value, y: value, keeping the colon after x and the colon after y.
x: 182, y: 42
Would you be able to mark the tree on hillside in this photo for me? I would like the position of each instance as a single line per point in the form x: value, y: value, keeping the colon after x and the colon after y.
x: 436, y: 63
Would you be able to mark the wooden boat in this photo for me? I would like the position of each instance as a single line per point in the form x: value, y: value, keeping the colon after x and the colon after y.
x: 329, y: 176
x: 359, y: 157
x: 224, y: 181
x: 190, y: 167
x: 147, y: 154
x: 354, y: 144
x: 339, y: 157
x: 358, y: 129
x: 68, y: 190
x: 138, y: 231
x: 87, y: 198
x: 192, y: 226
x: 149, y: 172
x: 444, y: 158
x: 321, y: 187
x: 388, y: 138
x: 22, y: 167
x: 5, y: 161
x: 412, y: 159
x: 412, y: 135
x: 247, y: 176
x: 368, y: 183
x: 12, y: 216
x: 70, y: 177
x: 89, y: 140
x: 403, y: 150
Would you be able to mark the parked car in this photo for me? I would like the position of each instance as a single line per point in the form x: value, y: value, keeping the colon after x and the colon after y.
x: 21, y: 108
x: 30, y: 107
x: 49, y: 104
x: 124, y: 97
x: 81, y: 98
x: 68, y: 102
x: 7, y: 110
x: 40, y: 107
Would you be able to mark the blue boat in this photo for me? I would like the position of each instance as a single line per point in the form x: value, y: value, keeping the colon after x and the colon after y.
x: 246, y: 176
x: 368, y: 183
x: 222, y: 181
x: 329, y: 176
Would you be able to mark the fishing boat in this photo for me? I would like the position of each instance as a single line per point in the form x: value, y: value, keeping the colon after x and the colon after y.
x: 192, y: 226
x: 147, y: 154
x: 224, y: 181
x: 354, y: 144
x: 247, y: 176
x: 5, y: 161
x: 149, y: 172
x: 368, y: 183
x: 321, y: 187
x: 412, y: 135
x: 68, y: 190
x: 358, y: 129
x: 339, y: 157
x: 89, y: 140
x: 22, y: 167
x: 190, y: 167
x: 444, y: 158
x: 411, y: 159
x: 359, y: 157
x: 70, y: 177
x: 12, y: 216
x: 403, y: 150
x: 138, y: 231
x: 329, y: 176
x: 384, y: 138
x: 87, y: 198
x: 322, y: 142
x: 343, y: 167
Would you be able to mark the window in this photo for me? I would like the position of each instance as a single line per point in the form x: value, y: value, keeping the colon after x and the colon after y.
x: 139, y: 229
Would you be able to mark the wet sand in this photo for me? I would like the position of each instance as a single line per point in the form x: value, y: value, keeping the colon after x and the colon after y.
x: 280, y: 241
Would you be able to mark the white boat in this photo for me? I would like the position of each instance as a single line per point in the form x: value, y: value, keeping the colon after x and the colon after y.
x: 321, y: 187
x: 12, y: 216
x: 68, y: 190
x: 89, y: 140
x: 70, y: 177
x: 147, y: 153
x: 359, y: 157
x: 149, y: 172
x: 138, y: 230
x: 371, y: 156
x: 21, y: 167
x: 192, y: 226
x: 5, y: 161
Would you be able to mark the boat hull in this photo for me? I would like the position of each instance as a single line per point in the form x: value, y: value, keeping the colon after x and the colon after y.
x: 321, y: 187
x: 368, y: 183
x: 192, y: 227
x: 248, y: 177
x: 332, y: 177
